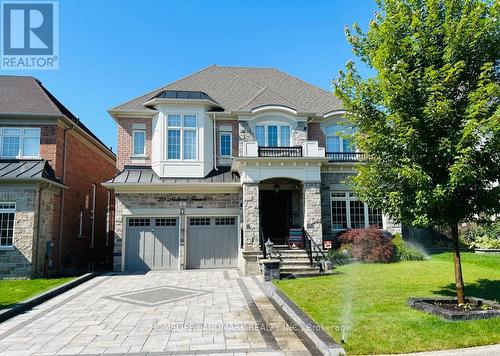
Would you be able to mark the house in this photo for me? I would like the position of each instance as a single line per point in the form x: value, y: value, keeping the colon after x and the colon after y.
x: 216, y: 163
x: 53, y: 208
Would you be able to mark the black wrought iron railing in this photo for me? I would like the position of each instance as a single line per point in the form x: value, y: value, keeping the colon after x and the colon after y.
x: 345, y: 156
x: 295, y: 151
x: 311, y: 247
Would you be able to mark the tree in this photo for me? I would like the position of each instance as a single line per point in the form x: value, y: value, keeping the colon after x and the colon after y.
x: 429, y: 119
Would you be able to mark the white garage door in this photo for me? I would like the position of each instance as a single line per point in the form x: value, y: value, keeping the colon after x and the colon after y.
x: 212, y: 242
x: 152, y: 243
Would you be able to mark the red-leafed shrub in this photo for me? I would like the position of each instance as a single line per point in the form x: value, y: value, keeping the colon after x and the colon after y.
x: 368, y: 245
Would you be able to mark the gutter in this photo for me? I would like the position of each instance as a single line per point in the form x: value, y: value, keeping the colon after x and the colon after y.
x: 215, y: 143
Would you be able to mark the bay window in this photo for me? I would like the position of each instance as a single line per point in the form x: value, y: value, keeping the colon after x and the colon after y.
x: 348, y: 212
x: 20, y: 142
x: 273, y: 135
x: 182, y: 142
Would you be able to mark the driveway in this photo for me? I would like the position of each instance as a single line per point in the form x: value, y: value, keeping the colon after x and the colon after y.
x: 181, y: 312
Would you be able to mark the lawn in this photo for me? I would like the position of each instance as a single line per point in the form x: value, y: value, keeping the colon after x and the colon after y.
x: 14, y: 291
x: 370, y: 299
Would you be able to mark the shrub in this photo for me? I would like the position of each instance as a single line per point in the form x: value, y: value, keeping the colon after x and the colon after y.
x: 404, y: 252
x: 337, y: 257
x: 481, y: 235
x: 368, y: 245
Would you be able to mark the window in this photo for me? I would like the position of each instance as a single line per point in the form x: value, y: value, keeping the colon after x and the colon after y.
x: 199, y: 221
x: 273, y: 135
x: 225, y: 221
x: 166, y: 222
x: 139, y: 142
x: 350, y: 212
x: 225, y: 144
x: 20, y: 142
x: 334, y: 140
x: 182, y: 133
x: 138, y: 222
x: 7, y: 215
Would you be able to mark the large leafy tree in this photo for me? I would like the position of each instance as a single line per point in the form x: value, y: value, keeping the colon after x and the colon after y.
x: 429, y: 119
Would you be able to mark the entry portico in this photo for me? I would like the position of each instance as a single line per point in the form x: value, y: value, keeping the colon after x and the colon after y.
x: 281, y: 178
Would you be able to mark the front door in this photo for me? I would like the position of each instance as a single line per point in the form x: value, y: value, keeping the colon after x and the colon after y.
x: 275, y: 215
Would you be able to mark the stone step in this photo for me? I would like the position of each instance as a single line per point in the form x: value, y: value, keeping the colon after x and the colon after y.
x: 295, y: 260
x: 300, y: 275
x: 299, y: 269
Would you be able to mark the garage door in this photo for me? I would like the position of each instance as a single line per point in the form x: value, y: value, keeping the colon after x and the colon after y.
x: 152, y: 243
x: 212, y: 242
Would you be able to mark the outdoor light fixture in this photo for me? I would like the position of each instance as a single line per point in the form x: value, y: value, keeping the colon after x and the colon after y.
x: 276, y: 188
x: 269, y: 247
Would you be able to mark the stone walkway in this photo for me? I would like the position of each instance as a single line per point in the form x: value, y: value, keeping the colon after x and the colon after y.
x: 182, y: 312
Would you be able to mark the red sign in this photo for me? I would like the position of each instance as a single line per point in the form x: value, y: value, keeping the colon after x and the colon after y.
x: 327, y: 244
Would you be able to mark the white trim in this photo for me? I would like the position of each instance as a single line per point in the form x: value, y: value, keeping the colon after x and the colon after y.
x: 334, y: 113
x: 181, y: 129
x: 278, y: 126
x: 274, y: 108
x: 347, y: 198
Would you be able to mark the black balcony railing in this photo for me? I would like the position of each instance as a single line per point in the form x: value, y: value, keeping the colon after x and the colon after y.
x: 345, y: 156
x: 280, y: 151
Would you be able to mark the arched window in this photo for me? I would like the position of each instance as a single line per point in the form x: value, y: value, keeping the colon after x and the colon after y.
x: 334, y: 140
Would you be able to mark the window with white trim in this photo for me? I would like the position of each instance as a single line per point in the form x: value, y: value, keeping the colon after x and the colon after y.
x: 273, y: 135
x: 334, y: 140
x: 225, y: 144
x: 348, y: 212
x: 18, y: 142
x: 139, y: 142
x: 182, y: 142
x: 7, y: 217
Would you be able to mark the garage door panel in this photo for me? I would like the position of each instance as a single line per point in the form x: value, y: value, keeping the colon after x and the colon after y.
x: 152, y: 244
x: 212, y: 242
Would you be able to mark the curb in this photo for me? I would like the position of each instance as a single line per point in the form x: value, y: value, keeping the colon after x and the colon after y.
x: 29, y: 303
x: 318, y: 336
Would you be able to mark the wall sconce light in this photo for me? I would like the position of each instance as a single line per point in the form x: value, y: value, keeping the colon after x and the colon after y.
x: 182, y: 211
x: 276, y: 188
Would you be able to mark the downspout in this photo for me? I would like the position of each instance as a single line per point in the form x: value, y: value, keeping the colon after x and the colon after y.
x: 61, y: 215
x: 215, y: 144
x: 39, y: 219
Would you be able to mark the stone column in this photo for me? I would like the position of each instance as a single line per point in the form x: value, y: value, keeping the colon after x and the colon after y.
x: 391, y: 226
x: 312, y: 211
x: 118, y: 235
x: 251, y: 228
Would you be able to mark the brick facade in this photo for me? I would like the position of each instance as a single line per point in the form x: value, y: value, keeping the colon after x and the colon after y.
x: 125, y: 129
x: 314, y: 133
x: 234, y: 136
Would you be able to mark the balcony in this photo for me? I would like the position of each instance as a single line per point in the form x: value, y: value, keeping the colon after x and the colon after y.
x: 345, y: 156
x: 280, y: 151
x: 306, y: 149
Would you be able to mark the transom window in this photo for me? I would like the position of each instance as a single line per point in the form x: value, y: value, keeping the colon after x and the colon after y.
x: 139, y: 142
x: 348, y: 212
x: 7, y: 216
x: 273, y: 135
x: 334, y: 142
x: 20, y: 142
x: 225, y: 144
x: 182, y: 140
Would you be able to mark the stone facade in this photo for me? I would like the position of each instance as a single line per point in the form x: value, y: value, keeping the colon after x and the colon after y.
x: 299, y: 134
x: 244, y: 134
x: 155, y: 203
x: 312, y: 211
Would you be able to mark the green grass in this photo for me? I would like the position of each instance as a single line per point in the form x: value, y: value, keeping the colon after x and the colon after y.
x: 370, y: 299
x: 14, y: 291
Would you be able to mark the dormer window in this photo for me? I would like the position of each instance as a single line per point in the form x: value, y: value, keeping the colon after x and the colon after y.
x: 273, y: 135
x: 20, y: 142
x: 182, y: 143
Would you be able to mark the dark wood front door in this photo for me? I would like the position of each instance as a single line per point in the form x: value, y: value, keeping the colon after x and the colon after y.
x: 275, y: 215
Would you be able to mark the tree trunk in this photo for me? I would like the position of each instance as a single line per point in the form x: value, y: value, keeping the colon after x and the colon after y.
x: 459, y: 281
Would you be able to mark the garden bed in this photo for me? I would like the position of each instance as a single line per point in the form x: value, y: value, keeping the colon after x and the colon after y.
x: 448, y: 309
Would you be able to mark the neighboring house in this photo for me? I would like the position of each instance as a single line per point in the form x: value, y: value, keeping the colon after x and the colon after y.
x: 53, y: 208
x: 216, y: 163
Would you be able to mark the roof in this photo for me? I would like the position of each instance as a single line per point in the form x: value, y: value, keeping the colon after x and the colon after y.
x: 246, y: 88
x: 19, y: 169
x: 146, y: 175
x: 26, y: 95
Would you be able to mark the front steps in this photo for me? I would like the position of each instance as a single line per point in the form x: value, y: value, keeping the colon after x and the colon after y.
x: 295, y: 262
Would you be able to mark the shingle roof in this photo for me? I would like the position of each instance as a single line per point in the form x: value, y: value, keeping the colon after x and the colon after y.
x: 146, y: 175
x: 19, y: 169
x: 239, y: 88
x: 26, y: 95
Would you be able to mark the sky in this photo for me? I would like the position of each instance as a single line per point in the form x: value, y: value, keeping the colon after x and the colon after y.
x: 112, y: 51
